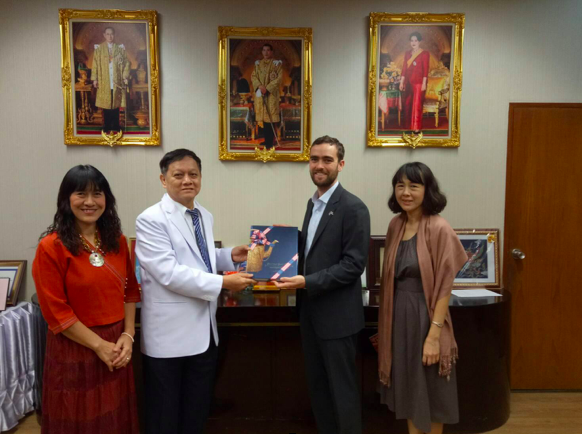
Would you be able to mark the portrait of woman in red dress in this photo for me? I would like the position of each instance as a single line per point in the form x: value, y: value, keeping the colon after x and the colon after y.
x: 413, y: 82
x: 414, y: 99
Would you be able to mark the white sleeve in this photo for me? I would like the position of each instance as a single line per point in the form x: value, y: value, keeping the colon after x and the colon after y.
x: 156, y: 255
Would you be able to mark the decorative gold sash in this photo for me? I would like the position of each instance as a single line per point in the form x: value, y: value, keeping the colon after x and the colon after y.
x: 414, y: 56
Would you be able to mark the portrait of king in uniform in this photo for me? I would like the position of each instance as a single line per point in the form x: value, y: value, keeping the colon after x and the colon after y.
x: 112, y: 92
x: 265, y: 94
x: 110, y: 75
x: 266, y: 78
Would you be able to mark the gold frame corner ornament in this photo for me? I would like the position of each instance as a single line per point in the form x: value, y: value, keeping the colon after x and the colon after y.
x: 117, y: 138
x: 224, y: 33
x: 415, y: 140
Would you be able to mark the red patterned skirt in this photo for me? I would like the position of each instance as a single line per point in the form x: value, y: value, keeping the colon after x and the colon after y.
x: 80, y: 395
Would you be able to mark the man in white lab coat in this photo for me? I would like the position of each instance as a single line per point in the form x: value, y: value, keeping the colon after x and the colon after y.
x: 180, y: 287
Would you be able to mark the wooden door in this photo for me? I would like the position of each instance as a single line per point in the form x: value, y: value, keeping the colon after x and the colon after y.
x: 543, y: 219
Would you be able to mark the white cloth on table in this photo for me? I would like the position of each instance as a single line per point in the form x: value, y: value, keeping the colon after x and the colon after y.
x: 18, y: 336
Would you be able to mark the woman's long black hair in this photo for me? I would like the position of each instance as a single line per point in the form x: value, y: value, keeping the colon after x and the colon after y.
x: 79, y: 178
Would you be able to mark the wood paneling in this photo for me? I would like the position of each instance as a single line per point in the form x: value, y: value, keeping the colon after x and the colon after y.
x: 543, y: 219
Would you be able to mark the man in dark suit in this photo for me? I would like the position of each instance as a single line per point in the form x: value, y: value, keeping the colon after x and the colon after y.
x: 333, y: 250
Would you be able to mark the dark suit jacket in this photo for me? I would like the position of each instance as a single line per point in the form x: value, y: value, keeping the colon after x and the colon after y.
x: 332, y: 297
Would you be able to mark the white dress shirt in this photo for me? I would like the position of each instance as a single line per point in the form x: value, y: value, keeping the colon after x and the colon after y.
x: 319, y: 204
x: 110, y: 48
x: 188, y: 218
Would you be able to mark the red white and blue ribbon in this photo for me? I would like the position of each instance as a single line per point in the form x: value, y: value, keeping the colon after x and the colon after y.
x: 258, y: 237
x: 285, y: 267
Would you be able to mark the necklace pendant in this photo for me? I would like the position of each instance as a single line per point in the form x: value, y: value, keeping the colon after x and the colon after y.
x: 96, y: 260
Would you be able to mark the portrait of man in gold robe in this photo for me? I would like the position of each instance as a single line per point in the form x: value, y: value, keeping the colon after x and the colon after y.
x: 266, y: 78
x: 110, y: 75
x: 265, y: 94
x: 111, y: 64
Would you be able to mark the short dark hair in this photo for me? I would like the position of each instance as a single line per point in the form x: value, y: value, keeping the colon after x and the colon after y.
x: 266, y: 44
x: 79, y: 178
x: 178, y: 155
x: 109, y: 27
x: 419, y: 173
x: 417, y: 34
x: 333, y: 142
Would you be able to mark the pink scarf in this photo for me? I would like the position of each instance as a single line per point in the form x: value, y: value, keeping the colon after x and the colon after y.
x: 440, y: 257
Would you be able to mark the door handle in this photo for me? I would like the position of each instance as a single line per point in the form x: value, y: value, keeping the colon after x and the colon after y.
x: 517, y: 254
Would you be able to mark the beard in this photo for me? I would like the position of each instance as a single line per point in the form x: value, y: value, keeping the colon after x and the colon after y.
x: 328, y: 180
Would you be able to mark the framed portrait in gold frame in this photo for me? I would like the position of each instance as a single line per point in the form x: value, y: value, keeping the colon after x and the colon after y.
x: 414, y: 79
x: 264, y: 93
x: 110, y: 77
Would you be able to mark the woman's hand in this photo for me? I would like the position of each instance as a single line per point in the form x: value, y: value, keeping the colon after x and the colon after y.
x: 423, y: 88
x: 401, y: 87
x: 124, y: 349
x: 107, y: 352
x: 431, y: 351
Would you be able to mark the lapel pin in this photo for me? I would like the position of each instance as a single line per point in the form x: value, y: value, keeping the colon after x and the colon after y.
x: 330, y: 213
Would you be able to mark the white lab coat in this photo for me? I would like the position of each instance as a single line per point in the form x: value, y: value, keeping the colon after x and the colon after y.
x: 179, y: 296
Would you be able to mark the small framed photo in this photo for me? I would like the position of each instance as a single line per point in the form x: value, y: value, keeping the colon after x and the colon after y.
x: 375, y: 261
x: 14, y: 272
x: 110, y: 77
x: 264, y: 93
x: 414, y: 79
x: 482, y: 268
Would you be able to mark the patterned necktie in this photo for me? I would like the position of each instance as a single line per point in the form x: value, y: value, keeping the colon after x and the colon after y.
x: 195, y: 214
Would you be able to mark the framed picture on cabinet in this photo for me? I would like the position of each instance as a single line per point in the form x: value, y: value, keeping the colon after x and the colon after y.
x: 14, y: 272
x: 264, y: 93
x: 482, y: 268
x: 110, y: 77
x: 375, y: 261
x: 414, y: 79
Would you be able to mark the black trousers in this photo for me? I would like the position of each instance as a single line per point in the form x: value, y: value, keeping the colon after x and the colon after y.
x: 330, y: 365
x: 269, y: 135
x: 111, y: 118
x: 179, y: 391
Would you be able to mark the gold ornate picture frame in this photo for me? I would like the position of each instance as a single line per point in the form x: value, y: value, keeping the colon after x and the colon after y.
x: 414, y: 79
x: 122, y: 108
x: 264, y: 93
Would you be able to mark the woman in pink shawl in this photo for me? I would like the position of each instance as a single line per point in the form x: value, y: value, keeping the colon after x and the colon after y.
x: 416, y: 344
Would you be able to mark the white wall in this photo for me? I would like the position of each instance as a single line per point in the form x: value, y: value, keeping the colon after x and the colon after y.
x: 514, y: 51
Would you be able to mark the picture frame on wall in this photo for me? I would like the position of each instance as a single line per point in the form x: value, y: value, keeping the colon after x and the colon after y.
x: 13, y: 270
x: 110, y: 77
x: 482, y: 268
x: 414, y: 79
x: 264, y: 93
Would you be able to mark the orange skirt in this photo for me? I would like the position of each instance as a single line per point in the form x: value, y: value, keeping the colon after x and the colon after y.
x: 80, y: 395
